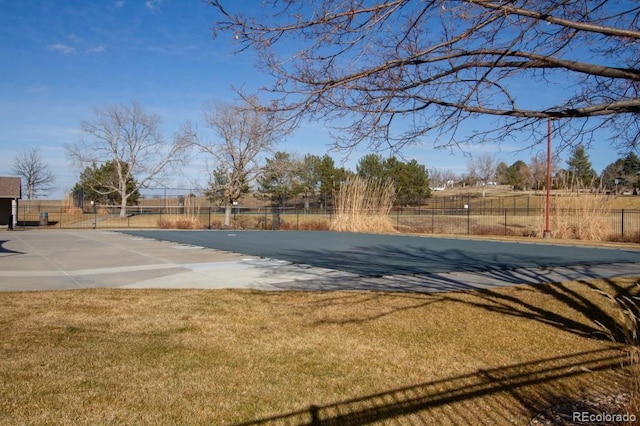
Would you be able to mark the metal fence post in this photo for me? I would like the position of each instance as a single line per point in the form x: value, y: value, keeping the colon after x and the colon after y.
x: 433, y: 218
x: 622, y: 224
x: 505, y: 221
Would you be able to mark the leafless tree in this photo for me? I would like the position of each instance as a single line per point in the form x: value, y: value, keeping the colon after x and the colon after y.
x: 395, y: 70
x: 38, y: 178
x: 442, y: 178
x: 242, y: 135
x: 132, y: 140
x: 483, y: 167
x: 538, y: 168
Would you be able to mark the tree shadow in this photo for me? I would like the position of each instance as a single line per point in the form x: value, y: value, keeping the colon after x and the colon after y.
x: 484, y: 275
x: 391, y: 259
x: 589, y: 315
x: 601, y: 324
x: 7, y: 252
x: 479, y: 397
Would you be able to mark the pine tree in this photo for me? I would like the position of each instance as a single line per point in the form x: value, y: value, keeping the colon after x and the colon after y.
x: 581, y: 172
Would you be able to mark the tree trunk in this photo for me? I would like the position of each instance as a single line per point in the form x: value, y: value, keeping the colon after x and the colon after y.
x: 123, y: 207
x: 275, y: 217
x: 227, y: 214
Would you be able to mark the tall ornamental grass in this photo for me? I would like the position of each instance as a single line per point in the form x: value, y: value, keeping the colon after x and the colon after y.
x: 581, y: 217
x: 363, y: 205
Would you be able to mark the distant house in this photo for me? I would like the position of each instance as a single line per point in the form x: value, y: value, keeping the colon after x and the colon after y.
x: 10, y: 193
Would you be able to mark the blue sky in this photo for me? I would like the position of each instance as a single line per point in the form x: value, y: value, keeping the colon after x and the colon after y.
x: 62, y: 58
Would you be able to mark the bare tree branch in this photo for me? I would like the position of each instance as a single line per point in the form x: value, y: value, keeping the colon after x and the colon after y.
x: 397, y: 70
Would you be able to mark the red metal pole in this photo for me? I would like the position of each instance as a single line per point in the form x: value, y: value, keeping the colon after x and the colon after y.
x: 547, y: 209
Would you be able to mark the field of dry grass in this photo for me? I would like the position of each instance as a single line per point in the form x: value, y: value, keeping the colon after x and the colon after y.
x: 228, y: 357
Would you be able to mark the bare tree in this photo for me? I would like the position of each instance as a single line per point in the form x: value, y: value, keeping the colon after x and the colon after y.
x: 483, y: 167
x: 38, y: 178
x: 388, y: 65
x: 442, y: 178
x: 538, y: 168
x: 242, y: 136
x: 131, y: 140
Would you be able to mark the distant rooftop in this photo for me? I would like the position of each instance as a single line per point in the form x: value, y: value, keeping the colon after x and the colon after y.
x: 10, y: 187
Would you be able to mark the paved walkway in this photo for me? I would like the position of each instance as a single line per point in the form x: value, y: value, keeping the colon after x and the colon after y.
x: 58, y: 259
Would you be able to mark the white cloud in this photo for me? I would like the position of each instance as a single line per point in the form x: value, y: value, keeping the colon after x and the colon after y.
x: 62, y: 48
x: 96, y: 49
x: 152, y: 4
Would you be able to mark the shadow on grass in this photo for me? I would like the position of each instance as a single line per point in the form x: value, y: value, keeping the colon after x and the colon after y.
x: 599, y: 323
x: 535, y: 385
x: 481, y: 397
x: 485, y: 274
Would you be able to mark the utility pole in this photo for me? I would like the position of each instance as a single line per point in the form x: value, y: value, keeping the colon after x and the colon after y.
x: 547, y: 207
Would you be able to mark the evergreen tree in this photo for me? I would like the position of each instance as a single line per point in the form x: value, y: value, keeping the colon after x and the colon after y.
x: 518, y: 175
x: 280, y: 179
x: 611, y: 173
x: 372, y: 166
x: 624, y: 170
x: 631, y: 169
x: 581, y: 172
x: 100, y: 185
x: 320, y: 178
x: 217, y: 192
x: 411, y: 179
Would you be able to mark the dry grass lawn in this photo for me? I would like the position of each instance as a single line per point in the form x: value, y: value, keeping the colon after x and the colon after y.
x: 231, y: 357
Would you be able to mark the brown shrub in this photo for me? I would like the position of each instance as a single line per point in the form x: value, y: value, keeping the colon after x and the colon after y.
x: 287, y: 226
x: 492, y: 230
x: 314, y: 225
x: 74, y: 211
x: 165, y: 223
x: 188, y: 223
x: 179, y: 222
x: 306, y: 225
x: 634, y: 237
x: 215, y: 224
x: 247, y: 222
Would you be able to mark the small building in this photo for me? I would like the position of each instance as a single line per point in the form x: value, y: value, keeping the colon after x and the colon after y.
x: 10, y: 193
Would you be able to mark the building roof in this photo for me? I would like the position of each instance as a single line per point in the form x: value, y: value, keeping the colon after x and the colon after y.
x: 10, y: 187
